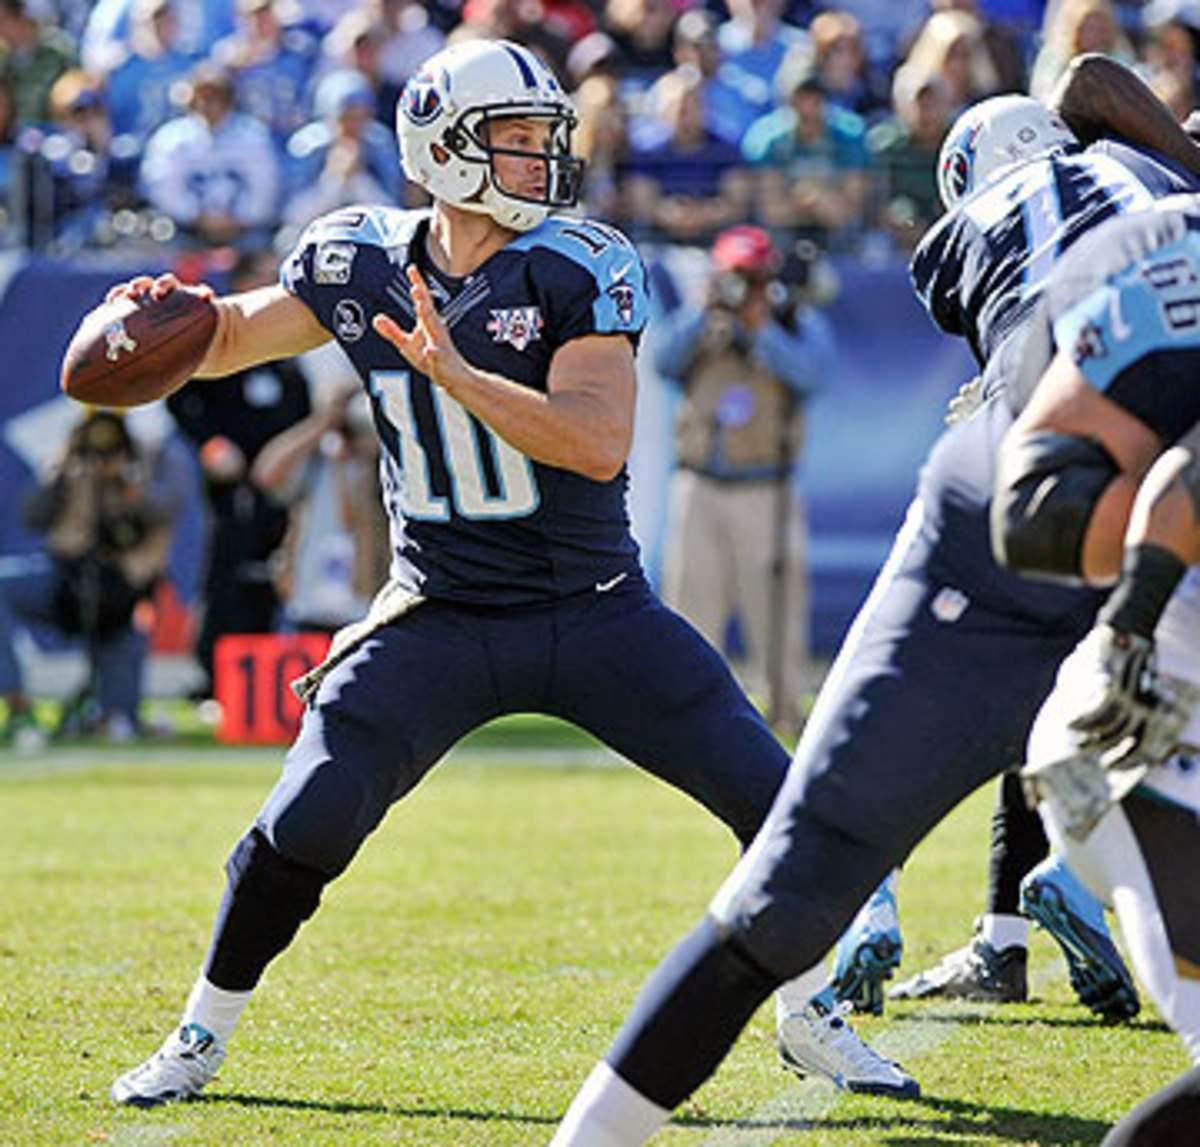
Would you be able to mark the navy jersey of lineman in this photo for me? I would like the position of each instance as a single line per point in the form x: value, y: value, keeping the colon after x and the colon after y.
x: 981, y: 267
x: 473, y: 519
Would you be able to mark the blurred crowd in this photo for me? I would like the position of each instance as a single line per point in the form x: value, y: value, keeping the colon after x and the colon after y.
x: 234, y: 122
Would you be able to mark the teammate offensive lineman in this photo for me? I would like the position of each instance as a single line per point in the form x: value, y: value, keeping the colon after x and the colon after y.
x: 937, y: 683
x: 1113, y: 421
x: 506, y: 419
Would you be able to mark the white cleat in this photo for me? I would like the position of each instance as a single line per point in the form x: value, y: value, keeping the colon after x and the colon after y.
x: 187, y: 1060
x: 820, y: 1039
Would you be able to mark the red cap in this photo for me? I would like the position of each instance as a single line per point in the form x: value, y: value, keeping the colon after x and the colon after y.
x: 746, y: 249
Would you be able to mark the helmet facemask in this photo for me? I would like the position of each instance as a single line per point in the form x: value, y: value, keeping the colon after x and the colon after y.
x: 470, y: 139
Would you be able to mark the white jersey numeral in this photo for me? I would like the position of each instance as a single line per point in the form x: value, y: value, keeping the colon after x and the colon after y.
x: 462, y: 441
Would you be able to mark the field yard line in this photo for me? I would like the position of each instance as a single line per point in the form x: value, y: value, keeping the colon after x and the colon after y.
x: 805, y: 1102
x: 54, y: 762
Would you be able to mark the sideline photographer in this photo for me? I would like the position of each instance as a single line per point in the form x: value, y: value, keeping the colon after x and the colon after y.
x: 108, y: 523
x: 747, y: 362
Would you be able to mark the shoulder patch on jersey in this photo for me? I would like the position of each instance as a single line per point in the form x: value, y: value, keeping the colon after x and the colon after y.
x: 333, y: 261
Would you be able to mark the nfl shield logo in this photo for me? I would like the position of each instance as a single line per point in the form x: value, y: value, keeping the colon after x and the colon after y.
x: 517, y: 326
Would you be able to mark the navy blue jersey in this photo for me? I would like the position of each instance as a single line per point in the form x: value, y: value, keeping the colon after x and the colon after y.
x: 472, y: 518
x: 980, y: 269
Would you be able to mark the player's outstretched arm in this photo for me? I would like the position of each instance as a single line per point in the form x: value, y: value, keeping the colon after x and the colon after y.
x: 584, y: 421
x: 257, y: 326
x: 1100, y: 98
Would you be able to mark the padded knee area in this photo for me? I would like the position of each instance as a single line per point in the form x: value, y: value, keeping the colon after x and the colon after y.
x: 267, y: 898
x: 688, y: 1016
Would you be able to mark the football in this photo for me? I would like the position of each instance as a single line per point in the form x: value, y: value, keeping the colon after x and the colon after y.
x: 131, y: 351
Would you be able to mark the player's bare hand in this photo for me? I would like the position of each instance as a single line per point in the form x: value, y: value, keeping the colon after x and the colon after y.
x: 428, y: 347
x: 146, y: 286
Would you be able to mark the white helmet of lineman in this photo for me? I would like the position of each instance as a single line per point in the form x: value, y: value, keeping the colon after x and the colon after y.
x: 442, y: 122
x: 992, y: 135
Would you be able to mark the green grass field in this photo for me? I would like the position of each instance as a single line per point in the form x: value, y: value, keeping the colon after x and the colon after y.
x: 461, y: 980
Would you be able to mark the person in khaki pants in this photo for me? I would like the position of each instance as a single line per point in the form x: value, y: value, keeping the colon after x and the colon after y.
x: 747, y: 360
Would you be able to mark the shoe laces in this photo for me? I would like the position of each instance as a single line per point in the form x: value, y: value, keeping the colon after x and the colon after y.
x: 837, y: 1032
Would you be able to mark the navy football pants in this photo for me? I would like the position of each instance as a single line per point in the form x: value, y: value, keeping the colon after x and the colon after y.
x: 619, y: 665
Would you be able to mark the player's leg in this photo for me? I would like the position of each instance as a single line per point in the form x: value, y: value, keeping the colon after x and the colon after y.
x: 638, y: 677
x: 382, y: 718
x: 27, y: 587
x: 1054, y: 897
x: 992, y: 967
x: 869, y: 951
x: 1167, y: 1119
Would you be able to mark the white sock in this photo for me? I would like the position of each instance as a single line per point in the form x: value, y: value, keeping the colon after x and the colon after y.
x: 215, y: 1009
x: 607, y: 1112
x: 1005, y: 931
x: 792, y: 997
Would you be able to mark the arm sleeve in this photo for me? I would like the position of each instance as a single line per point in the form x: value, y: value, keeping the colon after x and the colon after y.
x: 800, y: 360
x: 679, y: 339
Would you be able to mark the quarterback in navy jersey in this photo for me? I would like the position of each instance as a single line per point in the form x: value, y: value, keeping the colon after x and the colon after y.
x: 932, y: 694
x: 497, y: 346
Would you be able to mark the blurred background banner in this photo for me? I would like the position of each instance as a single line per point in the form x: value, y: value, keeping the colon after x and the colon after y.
x: 868, y: 428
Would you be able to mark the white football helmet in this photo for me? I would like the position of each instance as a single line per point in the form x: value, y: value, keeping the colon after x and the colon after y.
x: 992, y: 135
x: 442, y: 122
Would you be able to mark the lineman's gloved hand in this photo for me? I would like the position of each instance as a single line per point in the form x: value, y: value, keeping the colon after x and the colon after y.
x: 1121, y: 714
x: 968, y: 400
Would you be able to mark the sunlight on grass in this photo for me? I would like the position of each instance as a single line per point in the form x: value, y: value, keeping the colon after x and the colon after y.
x: 463, y: 977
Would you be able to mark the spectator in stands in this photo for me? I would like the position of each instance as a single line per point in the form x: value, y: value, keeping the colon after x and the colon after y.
x: 840, y: 59
x: 686, y: 184
x: 271, y: 63
x: 107, y: 513
x: 74, y: 176
x: 642, y: 31
x: 215, y: 170
x: 1007, y: 48
x: 228, y: 423
x: 344, y: 156
x: 326, y: 470
x: 602, y: 140
x: 32, y: 57
x: 520, y: 20
x: 694, y: 45
x: 810, y: 159
x: 905, y: 149
x: 356, y: 44
x: 105, y: 41
x: 887, y: 26
x: 139, y: 88
x: 1170, y: 66
x: 1073, y: 27
x: 951, y: 47
x: 410, y: 38
x: 753, y: 43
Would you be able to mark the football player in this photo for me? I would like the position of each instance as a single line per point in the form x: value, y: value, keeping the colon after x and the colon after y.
x: 1113, y: 423
x: 938, y: 681
x: 496, y: 343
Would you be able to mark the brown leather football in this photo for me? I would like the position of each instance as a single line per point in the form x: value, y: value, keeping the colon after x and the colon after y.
x: 129, y: 352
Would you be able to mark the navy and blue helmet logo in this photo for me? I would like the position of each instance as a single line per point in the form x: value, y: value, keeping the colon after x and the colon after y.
x: 959, y: 162
x: 422, y: 101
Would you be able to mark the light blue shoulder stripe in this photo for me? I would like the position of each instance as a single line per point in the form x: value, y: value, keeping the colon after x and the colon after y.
x: 376, y: 226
